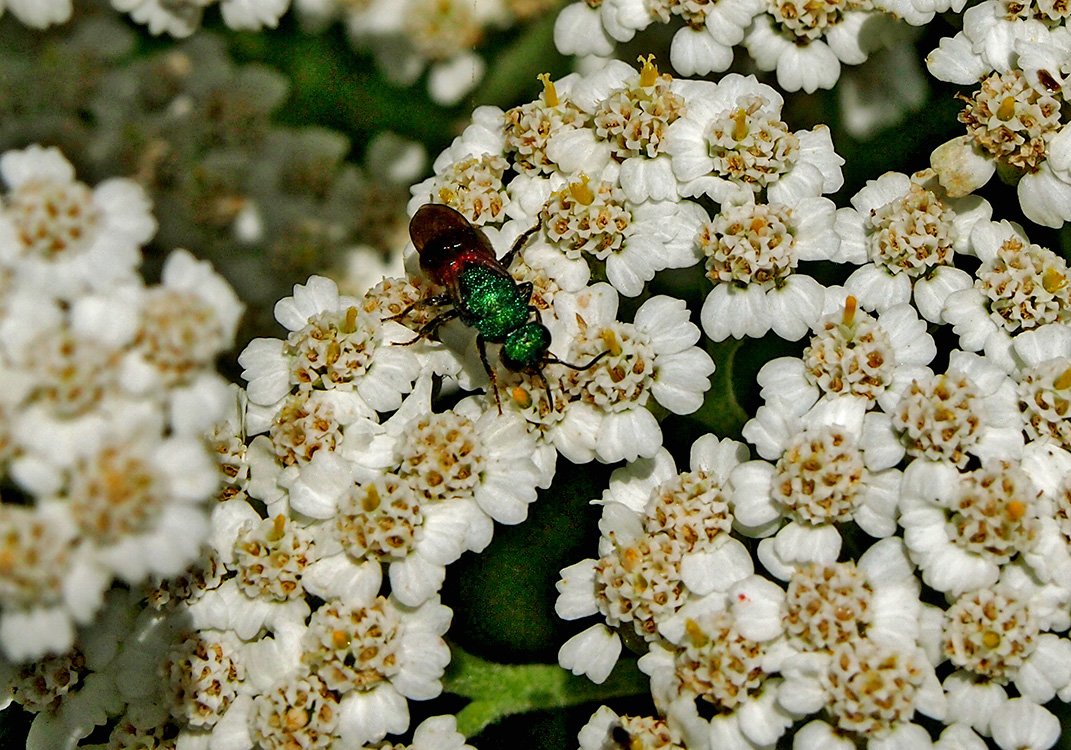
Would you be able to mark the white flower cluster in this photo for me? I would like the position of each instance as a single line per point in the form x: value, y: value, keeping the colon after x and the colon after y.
x: 109, y: 386
x: 411, y: 37
x: 845, y: 650
x: 279, y: 635
x: 318, y: 593
x: 955, y: 467
x: 177, y: 19
x: 805, y: 43
x: 1018, y: 56
x: 898, y: 546
x: 958, y: 474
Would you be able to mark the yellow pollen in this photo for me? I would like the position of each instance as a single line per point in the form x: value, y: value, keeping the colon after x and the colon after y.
x: 851, y: 304
x: 349, y: 323
x: 581, y: 191
x: 695, y: 633
x: 8, y: 562
x: 296, y: 718
x: 1006, y: 110
x: 1053, y: 280
x: 1015, y: 510
x: 649, y: 72
x: 371, y: 499
x: 609, y: 340
x: 740, y: 124
x: 630, y: 559
x: 340, y: 639
x: 1063, y: 380
x: 278, y: 528
x: 990, y: 639
x: 521, y: 397
x: 550, y: 94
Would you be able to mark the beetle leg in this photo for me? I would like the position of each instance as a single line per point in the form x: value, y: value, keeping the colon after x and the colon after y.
x: 432, y: 326
x: 437, y: 300
x: 546, y: 388
x: 526, y: 289
x: 489, y: 370
x: 518, y: 243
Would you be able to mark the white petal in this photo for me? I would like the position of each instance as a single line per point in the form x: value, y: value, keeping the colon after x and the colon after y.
x: 960, y: 168
x: 414, y: 580
x: 576, y: 591
x: 367, y: 716
x: 593, y: 653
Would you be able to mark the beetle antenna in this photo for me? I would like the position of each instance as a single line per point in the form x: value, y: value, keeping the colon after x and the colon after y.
x: 551, y: 360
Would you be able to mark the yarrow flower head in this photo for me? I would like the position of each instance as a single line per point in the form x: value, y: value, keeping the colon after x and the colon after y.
x: 1015, y: 119
x: 806, y: 43
x: 752, y: 252
x: 869, y: 689
x: 852, y: 353
x: 530, y: 127
x: 59, y: 235
x: 732, y: 145
x: 969, y: 410
x: 828, y: 604
x: 993, y: 636
x: 607, y: 406
x: 634, y: 241
x: 1020, y: 287
x: 1042, y: 379
x: 904, y: 233
x: 721, y: 652
x: 828, y: 471
x: 373, y: 653
x: 333, y: 345
x: 665, y: 540
x: 629, y: 114
x: 429, y: 485
x: 962, y: 529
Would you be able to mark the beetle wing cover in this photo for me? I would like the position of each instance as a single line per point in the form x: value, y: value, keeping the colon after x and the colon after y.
x: 436, y: 221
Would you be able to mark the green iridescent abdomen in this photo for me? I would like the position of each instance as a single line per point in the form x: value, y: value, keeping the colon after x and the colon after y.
x: 491, y: 303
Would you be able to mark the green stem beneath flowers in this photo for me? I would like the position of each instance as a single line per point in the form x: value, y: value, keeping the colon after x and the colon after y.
x: 500, y: 690
x: 721, y: 412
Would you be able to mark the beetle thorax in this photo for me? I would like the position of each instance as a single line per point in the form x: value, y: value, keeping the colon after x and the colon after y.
x: 491, y: 302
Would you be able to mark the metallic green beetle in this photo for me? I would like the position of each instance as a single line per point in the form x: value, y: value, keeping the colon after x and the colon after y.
x: 481, y: 293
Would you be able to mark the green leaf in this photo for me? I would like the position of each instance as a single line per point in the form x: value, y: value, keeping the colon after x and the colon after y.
x: 499, y: 690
